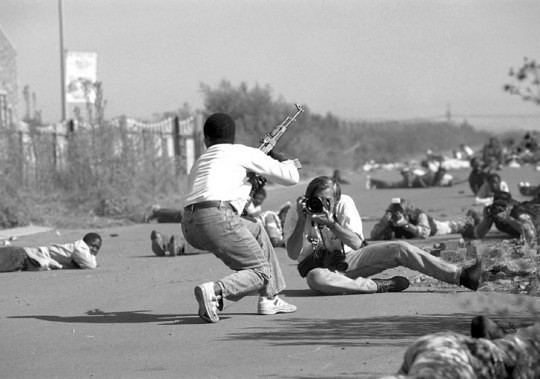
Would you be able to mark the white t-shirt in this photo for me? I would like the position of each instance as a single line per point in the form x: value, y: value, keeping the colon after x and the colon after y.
x: 220, y: 173
x: 346, y: 215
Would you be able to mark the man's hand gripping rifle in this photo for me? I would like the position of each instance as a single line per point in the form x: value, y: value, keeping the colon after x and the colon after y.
x: 268, y: 142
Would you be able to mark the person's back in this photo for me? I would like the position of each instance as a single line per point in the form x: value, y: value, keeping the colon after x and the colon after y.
x: 477, y: 176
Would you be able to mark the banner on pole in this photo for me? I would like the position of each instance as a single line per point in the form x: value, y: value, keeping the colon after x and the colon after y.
x: 81, y: 74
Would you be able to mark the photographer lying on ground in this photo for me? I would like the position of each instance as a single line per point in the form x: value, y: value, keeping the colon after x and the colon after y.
x: 323, y: 232
x: 80, y: 254
x: 520, y: 220
x: 402, y: 220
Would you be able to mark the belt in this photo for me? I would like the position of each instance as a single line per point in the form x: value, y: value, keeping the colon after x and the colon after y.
x: 210, y: 204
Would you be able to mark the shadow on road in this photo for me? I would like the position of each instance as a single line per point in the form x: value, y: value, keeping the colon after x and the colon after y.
x: 97, y: 316
x: 376, y: 331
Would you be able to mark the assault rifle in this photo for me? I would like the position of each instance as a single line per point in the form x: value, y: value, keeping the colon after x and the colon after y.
x: 268, y: 142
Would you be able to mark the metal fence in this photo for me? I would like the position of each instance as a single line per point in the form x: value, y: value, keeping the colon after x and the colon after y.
x: 72, y: 154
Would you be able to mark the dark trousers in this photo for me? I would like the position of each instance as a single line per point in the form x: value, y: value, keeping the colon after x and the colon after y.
x: 13, y: 258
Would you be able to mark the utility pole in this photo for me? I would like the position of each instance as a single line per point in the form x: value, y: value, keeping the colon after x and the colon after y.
x: 62, y: 62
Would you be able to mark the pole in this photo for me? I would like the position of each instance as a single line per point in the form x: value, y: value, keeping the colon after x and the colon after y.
x: 62, y: 63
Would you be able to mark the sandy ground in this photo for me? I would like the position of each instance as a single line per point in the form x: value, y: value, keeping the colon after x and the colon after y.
x: 135, y: 315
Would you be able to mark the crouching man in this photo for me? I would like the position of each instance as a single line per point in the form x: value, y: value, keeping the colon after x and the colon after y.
x: 323, y: 232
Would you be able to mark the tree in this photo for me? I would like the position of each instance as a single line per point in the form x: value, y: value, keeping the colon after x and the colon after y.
x: 525, y: 81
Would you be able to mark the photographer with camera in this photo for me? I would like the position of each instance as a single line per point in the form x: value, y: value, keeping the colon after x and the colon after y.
x: 402, y: 220
x: 324, y: 234
x: 519, y: 220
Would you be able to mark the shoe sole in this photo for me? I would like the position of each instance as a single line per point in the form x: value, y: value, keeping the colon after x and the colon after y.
x: 266, y: 313
x: 204, y: 305
x: 273, y: 311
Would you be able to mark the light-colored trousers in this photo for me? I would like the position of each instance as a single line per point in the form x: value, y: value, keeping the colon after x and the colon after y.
x: 243, y: 245
x: 376, y: 258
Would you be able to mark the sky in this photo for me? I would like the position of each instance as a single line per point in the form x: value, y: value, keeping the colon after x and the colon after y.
x: 356, y: 59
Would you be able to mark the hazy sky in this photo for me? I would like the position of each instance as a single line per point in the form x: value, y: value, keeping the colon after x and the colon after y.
x: 358, y: 59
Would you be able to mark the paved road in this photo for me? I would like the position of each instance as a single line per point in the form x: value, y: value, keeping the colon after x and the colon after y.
x: 135, y: 317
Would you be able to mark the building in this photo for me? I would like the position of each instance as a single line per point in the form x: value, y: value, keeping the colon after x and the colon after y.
x: 9, y: 88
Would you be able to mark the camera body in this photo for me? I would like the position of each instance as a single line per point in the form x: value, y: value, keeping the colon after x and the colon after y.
x: 313, y: 205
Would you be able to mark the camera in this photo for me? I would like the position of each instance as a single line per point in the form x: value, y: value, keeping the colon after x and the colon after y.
x: 314, y: 205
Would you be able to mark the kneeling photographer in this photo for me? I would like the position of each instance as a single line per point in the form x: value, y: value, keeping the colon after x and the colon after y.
x: 324, y: 233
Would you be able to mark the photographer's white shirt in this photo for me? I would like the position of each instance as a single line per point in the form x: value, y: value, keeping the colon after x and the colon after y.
x: 346, y: 215
x: 220, y: 174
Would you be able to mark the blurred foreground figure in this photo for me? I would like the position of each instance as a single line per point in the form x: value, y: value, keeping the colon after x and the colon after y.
x: 79, y: 254
x: 487, y: 354
x: 218, y: 189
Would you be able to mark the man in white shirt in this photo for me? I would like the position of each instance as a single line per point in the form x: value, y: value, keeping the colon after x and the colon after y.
x: 324, y: 234
x: 79, y: 254
x: 218, y: 189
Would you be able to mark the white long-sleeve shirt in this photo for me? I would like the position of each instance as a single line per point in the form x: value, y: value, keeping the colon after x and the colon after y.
x: 220, y: 173
x: 60, y: 256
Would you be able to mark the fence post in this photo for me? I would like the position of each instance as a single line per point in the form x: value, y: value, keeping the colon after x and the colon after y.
x: 176, y: 144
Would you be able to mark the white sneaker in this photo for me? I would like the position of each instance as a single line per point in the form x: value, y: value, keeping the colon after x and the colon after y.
x: 208, y: 302
x: 272, y: 306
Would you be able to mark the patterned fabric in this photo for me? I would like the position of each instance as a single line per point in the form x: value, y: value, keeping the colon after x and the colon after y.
x: 451, y: 355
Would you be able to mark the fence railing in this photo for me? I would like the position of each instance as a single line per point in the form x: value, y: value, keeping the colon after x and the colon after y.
x: 120, y: 152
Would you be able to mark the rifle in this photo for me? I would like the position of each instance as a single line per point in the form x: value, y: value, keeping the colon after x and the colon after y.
x: 268, y: 142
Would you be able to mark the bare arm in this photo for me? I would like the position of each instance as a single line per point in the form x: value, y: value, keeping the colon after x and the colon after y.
x: 295, y: 241
x: 484, y: 225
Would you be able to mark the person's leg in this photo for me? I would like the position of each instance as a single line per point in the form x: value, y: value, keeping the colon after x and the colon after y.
x: 167, y: 215
x: 159, y: 243
x: 12, y: 258
x: 242, y: 245
x: 335, y: 283
x: 457, y: 226
x: 376, y: 258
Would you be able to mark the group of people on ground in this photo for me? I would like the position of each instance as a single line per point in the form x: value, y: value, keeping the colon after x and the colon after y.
x: 321, y: 230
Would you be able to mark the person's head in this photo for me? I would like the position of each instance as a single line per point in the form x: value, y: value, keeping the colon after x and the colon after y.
x: 326, y: 189
x: 494, y: 181
x: 93, y: 240
x: 502, y: 201
x: 396, y: 208
x: 219, y: 128
x: 259, y: 196
x: 475, y: 163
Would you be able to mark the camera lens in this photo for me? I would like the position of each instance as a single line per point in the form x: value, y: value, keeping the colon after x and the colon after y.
x: 314, y: 205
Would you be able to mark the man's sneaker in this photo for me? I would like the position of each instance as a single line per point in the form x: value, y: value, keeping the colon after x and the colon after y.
x: 208, y: 302
x: 470, y: 276
x: 272, y: 306
x: 158, y: 245
x: 394, y: 284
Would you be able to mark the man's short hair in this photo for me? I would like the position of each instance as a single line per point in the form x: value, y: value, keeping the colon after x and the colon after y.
x: 220, y: 128
x: 90, y: 237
